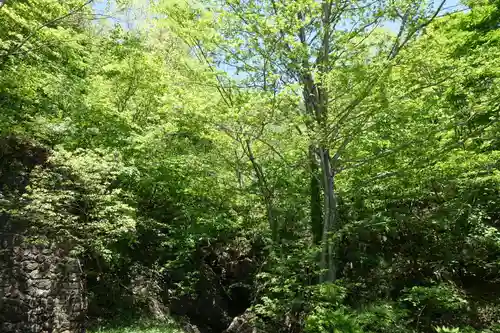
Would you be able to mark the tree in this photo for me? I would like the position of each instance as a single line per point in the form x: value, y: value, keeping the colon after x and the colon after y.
x: 353, y: 143
x: 338, y: 53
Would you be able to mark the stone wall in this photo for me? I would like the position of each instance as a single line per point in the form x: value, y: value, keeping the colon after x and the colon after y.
x: 41, y: 288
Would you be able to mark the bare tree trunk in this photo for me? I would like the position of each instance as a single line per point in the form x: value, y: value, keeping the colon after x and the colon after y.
x: 315, y: 197
x: 265, y: 191
x: 329, y: 219
x: 239, y: 174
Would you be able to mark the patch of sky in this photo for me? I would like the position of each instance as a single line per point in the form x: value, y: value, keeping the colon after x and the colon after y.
x: 136, y: 15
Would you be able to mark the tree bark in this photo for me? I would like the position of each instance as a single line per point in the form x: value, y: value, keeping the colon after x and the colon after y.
x: 315, y: 199
x: 327, y: 263
x: 265, y: 191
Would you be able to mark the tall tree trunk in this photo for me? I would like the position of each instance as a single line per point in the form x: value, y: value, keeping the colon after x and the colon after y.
x: 239, y: 174
x: 266, y: 193
x: 328, y: 260
x: 315, y: 199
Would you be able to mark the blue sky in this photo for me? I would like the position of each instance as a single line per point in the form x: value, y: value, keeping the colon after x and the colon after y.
x: 127, y: 22
x: 100, y: 6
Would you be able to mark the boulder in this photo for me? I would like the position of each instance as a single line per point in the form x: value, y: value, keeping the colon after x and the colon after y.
x: 190, y: 328
x: 244, y: 323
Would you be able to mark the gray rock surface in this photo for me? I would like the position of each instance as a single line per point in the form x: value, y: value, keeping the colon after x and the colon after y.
x: 242, y: 324
x: 41, y: 290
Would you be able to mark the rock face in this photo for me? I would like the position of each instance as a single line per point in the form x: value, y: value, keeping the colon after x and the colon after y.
x: 41, y: 289
x: 223, y: 288
x: 242, y: 324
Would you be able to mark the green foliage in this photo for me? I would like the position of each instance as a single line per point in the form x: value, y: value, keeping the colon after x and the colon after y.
x: 383, y: 317
x: 76, y: 199
x: 441, y: 297
x: 142, y: 326
x: 266, y: 146
x: 324, y: 320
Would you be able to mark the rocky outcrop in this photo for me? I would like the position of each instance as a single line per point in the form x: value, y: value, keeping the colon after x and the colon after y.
x: 224, y: 285
x: 244, y: 323
x: 41, y: 288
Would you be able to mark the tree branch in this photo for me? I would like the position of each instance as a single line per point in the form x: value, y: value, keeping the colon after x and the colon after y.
x: 397, y: 47
x: 46, y: 24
